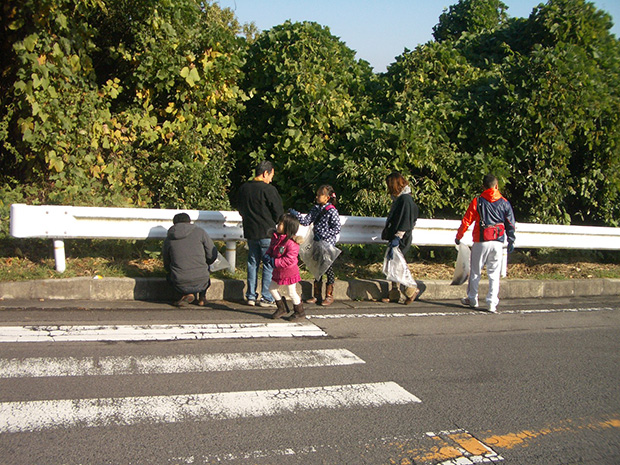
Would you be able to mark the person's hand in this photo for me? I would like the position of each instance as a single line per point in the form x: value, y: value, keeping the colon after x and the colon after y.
x: 268, y: 260
x: 511, y: 247
x: 395, y: 242
x: 390, y: 253
x: 293, y: 212
x: 457, y: 241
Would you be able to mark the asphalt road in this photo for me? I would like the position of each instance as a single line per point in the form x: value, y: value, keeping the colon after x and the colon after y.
x: 431, y: 383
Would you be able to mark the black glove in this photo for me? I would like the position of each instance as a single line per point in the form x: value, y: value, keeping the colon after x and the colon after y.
x: 511, y: 247
x: 457, y: 242
x: 395, y: 242
x: 269, y: 260
x: 390, y: 253
x: 293, y: 212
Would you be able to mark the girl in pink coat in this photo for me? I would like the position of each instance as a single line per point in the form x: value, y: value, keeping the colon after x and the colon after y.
x: 282, y: 256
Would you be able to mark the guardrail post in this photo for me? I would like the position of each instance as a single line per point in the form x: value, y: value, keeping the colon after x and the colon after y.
x: 59, y: 255
x: 231, y: 254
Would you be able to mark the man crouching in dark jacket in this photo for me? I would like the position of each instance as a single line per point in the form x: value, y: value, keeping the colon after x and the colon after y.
x: 188, y: 252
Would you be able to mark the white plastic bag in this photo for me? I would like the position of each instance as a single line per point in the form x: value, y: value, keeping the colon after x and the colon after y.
x: 220, y: 263
x: 396, y: 270
x: 317, y: 255
x: 461, y: 267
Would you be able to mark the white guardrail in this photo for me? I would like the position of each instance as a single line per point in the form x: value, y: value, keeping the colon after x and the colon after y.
x: 69, y: 222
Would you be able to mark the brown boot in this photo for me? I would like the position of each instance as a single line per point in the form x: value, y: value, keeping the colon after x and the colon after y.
x: 393, y: 295
x: 411, y: 294
x: 299, y: 313
x: 281, y: 310
x: 329, y: 295
x: 318, y: 291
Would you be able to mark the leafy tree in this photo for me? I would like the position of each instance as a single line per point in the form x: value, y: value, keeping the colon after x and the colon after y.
x: 153, y: 102
x: 560, y: 101
x: 470, y: 16
x: 114, y: 102
x: 306, y: 92
x: 535, y: 101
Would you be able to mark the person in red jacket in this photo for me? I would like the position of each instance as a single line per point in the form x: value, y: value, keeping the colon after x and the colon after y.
x: 282, y: 257
x: 494, y: 221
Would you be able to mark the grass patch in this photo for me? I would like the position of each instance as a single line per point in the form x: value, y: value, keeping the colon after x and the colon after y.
x: 29, y: 259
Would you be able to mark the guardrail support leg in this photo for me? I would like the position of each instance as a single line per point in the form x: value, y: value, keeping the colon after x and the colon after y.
x: 231, y: 254
x: 59, y: 256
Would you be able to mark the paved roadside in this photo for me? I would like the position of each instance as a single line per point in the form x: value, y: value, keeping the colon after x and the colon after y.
x: 155, y: 290
x: 27, y: 320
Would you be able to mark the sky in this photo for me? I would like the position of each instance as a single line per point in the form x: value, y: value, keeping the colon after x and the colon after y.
x: 378, y: 31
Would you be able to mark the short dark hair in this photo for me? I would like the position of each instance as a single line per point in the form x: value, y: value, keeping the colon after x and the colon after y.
x: 263, y: 166
x: 489, y: 181
x: 395, y: 183
x: 181, y: 218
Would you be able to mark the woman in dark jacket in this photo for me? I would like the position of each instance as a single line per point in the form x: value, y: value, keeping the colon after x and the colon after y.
x: 398, y: 228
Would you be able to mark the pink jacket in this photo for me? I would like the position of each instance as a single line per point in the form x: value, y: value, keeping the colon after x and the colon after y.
x: 286, y: 270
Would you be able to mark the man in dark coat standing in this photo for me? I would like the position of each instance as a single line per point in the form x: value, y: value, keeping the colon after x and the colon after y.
x: 260, y: 207
x: 188, y: 252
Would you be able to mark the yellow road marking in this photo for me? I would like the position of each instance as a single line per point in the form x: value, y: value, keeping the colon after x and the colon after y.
x: 462, y: 447
x: 511, y: 440
x: 470, y: 443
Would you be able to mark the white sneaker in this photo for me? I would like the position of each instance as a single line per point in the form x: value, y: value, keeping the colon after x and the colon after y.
x: 251, y: 303
x: 266, y: 303
x: 466, y: 302
x: 493, y: 308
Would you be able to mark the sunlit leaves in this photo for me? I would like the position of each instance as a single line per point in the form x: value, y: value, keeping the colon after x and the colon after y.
x: 307, y: 93
x: 104, y: 91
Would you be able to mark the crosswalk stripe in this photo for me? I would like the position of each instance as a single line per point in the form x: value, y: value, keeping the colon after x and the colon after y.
x: 16, y: 417
x: 465, y: 312
x: 67, y: 333
x: 36, y: 367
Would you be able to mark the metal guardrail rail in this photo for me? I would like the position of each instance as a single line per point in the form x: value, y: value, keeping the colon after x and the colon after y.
x: 70, y: 222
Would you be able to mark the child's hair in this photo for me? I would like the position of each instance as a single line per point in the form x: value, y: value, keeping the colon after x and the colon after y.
x: 291, y: 225
x: 329, y: 192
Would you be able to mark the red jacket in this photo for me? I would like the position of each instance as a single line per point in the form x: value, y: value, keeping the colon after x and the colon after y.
x: 499, y: 211
x: 285, y: 253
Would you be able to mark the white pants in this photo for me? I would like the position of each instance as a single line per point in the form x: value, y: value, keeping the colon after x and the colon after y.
x: 487, y: 254
x: 291, y: 290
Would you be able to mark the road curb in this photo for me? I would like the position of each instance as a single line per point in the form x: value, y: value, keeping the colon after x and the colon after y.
x: 157, y: 289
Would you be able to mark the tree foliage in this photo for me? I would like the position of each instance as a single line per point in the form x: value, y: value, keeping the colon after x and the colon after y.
x: 121, y: 102
x: 172, y: 103
x: 535, y: 101
x: 470, y: 16
x: 307, y: 93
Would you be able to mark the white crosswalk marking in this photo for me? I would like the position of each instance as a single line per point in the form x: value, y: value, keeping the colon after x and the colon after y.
x: 30, y: 416
x: 18, y: 417
x: 65, y: 333
x: 37, y: 367
x: 464, y: 312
